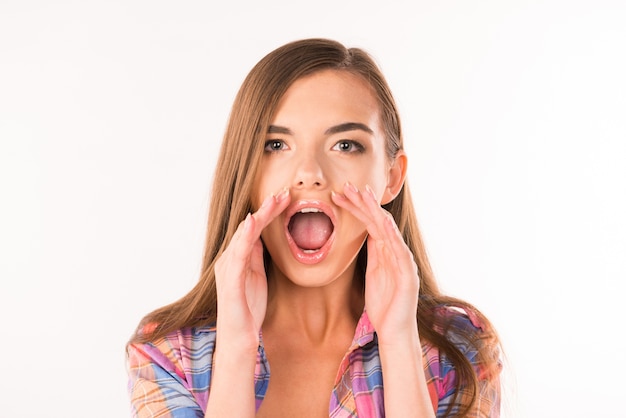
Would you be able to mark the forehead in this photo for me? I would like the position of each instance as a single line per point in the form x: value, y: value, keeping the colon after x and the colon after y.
x: 330, y: 94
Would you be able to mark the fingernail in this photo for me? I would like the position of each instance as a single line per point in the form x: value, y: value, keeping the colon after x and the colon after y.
x: 369, y: 190
x: 267, y: 201
x: 282, y: 195
x: 335, y: 195
x: 246, y: 222
x: 351, y: 187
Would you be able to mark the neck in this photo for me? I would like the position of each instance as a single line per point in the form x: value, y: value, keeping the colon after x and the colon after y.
x: 315, y: 314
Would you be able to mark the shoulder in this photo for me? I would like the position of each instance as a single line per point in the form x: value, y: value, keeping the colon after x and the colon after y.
x: 468, y: 333
x: 171, y: 373
x: 169, y: 376
x: 465, y: 327
x: 471, y: 340
x: 175, y: 352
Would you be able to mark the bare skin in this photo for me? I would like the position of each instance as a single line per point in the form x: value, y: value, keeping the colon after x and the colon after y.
x: 302, y: 372
x: 308, y: 313
x: 304, y: 351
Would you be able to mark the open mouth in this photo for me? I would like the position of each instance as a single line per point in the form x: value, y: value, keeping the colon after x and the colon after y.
x: 310, y: 231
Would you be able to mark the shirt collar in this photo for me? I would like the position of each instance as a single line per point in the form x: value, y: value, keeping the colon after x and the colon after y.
x: 364, y: 332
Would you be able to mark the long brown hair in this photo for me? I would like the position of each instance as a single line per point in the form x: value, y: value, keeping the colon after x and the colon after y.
x: 241, y: 151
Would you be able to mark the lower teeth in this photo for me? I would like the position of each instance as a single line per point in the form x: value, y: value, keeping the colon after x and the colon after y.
x: 310, y: 251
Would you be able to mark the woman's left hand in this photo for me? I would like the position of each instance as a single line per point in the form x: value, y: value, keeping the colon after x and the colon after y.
x: 391, y: 279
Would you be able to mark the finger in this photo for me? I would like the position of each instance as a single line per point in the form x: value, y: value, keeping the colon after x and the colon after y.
x: 376, y: 214
x: 394, y: 237
x: 271, y: 207
x: 394, y: 248
x: 384, y: 219
x: 239, y: 229
x: 373, y: 254
x: 373, y: 208
x: 399, y: 253
x: 249, y: 231
x: 256, y: 263
x: 342, y: 201
x: 352, y: 200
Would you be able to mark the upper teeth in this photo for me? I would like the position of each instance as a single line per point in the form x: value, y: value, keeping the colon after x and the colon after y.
x: 309, y: 210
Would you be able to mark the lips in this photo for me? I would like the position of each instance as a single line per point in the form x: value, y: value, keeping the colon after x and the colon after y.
x: 310, y: 230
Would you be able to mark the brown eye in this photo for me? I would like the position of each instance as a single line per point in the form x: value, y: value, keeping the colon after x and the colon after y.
x: 349, y: 146
x: 274, y: 145
x: 345, y: 146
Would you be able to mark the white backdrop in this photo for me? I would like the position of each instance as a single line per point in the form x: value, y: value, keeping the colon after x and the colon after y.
x: 111, y: 115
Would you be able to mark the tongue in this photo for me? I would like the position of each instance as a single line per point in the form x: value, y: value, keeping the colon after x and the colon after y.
x: 310, y: 231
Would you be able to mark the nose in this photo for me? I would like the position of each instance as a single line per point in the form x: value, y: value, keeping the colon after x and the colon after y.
x: 309, y: 173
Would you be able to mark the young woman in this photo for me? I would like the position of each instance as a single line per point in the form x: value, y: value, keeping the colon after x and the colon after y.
x: 316, y: 297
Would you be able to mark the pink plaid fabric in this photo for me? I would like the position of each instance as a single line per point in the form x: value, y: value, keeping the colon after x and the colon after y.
x: 171, y: 377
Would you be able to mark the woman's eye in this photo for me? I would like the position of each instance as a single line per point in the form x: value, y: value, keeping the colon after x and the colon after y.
x: 275, y: 145
x: 349, y: 146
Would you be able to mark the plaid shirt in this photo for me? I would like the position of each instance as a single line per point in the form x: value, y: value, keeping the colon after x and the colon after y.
x: 171, y: 377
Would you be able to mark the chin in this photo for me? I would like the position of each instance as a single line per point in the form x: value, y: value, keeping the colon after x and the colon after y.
x: 314, y: 275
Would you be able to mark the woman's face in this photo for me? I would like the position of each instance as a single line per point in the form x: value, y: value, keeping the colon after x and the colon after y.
x: 326, y: 132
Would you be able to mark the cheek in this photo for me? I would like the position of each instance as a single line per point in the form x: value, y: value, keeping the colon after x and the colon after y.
x: 358, y: 174
x: 272, y: 177
x: 275, y: 241
x: 376, y: 179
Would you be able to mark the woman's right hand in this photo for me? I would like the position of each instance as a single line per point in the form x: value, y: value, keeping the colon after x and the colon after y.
x: 240, y: 277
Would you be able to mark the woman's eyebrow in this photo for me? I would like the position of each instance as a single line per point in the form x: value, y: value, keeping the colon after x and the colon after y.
x: 348, y: 126
x: 273, y: 129
x: 343, y: 127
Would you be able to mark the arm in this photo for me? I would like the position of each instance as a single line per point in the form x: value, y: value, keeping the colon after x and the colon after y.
x: 232, y: 387
x: 412, y: 388
x: 400, y: 359
x: 241, y: 301
x: 406, y: 391
x: 391, y: 293
x: 166, y: 379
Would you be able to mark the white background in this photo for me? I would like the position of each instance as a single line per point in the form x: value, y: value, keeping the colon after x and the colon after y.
x: 111, y: 115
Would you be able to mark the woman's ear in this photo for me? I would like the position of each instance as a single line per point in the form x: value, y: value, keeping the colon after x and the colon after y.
x: 395, y: 177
